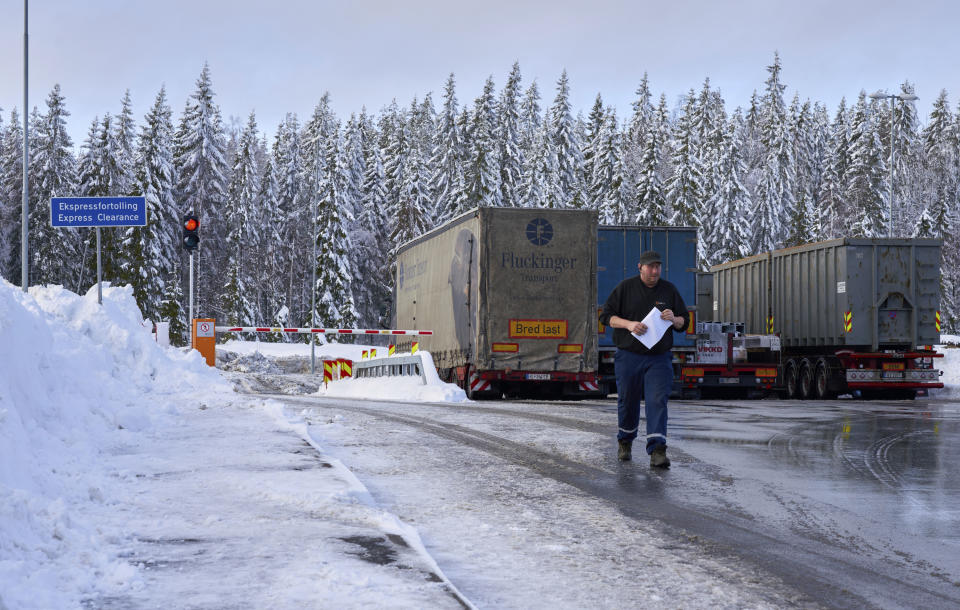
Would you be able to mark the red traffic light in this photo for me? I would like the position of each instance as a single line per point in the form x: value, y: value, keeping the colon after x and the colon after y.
x: 191, y: 238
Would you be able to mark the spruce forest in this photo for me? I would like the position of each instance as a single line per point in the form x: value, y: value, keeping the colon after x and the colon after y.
x: 776, y: 173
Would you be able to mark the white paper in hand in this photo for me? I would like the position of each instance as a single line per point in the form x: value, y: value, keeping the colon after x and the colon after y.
x: 656, y: 326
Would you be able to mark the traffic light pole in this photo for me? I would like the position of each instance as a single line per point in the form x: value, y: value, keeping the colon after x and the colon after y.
x: 191, y: 297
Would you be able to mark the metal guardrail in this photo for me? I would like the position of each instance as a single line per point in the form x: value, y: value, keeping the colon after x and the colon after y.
x: 391, y: 366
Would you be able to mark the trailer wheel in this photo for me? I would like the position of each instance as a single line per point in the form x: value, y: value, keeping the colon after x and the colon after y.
x: 790, y: 379
x: 805, y: 380
x: 821, y: 382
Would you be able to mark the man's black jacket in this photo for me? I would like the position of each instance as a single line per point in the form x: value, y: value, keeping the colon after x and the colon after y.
x: 633, y: 300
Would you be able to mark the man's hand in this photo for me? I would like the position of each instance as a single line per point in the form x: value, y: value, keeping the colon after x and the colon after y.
x: 630, y: 325
x: 667, y: 314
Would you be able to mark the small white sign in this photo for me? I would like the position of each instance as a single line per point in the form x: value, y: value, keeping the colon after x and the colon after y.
x: 204, y: 329
x: 841, y: 287
x: 716, y: 305
x: 711, y: 351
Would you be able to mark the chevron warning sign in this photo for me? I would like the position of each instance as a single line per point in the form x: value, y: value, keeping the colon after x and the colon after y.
x: 938, y: 321
x: 848, y: 321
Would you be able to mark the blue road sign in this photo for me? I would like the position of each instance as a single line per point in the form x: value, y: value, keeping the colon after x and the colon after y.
x: 98, y: 211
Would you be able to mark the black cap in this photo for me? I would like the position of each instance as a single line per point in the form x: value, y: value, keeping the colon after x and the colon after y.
x: 649, y: 257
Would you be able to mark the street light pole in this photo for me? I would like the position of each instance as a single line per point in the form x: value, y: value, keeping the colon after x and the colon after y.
x: 905, y: 97
x: 25, y: 203
x: 313, y: 264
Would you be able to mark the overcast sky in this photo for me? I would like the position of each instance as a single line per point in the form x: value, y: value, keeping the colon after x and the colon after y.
x: 278, y: 57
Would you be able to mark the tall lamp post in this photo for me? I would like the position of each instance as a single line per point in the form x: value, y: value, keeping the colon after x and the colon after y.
x: 905, y: 97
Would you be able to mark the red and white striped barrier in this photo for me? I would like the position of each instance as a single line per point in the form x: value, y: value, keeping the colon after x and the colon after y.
x: 320, y: 331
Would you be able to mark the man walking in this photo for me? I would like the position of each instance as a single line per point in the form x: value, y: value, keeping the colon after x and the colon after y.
x: 643, y: 373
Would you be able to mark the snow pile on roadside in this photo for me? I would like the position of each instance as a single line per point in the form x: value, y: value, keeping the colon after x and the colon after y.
x: 950, y: 365
x: 406, y: 388
x: 73, y: 372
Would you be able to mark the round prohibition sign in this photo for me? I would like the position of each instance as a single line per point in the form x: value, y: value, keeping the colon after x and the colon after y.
x: 204, y: 327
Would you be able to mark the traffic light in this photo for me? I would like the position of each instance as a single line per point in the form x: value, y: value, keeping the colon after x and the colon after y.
x: 191, y: 237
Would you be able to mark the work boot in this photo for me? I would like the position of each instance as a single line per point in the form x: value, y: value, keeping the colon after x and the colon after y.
x: 658, y: 458
x: 623, y: 450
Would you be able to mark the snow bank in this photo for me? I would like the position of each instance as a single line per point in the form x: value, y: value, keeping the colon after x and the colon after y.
x: 398, y: 388
x: 72, y: 373
x: 950, y: 365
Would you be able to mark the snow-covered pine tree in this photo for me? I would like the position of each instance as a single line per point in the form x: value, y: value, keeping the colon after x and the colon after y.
x: 446, y: 182
x: 317, y: 166
x: 591, y: 142
x: 685, y: 187
x: 774, y: 202
x: 482, y: 173
x: 607, y: 179
x: 568, y: 148
x: 819, y: 141
x: 409, y: 215
x: 394, y: 135
x: 6, y: 210
x: 11, y: 197
x: 102, y: 174
x: 650, y: 195
x: 366, y: 258
x: 635, y: 142
x: 90, y: 183
x: 643, y: 113
x: 866, y: 188
x: 201, y: 166
x: 508, y: 138
x: 940, y: 157
x: 729, y: 231
x: 710, y: 124
x: 373, y: 248
x: 540, y: 185
x: 800, y: 126
x: 294, y: 220
x: 908, y: 186
x: 940, y: 219
x: 238, y: 305
x: 334, y: 298
x: 155, y: 258
x: 832, y: 188
x: 531, y: 117
x: 125, y: 140
x: 270, y: 289
x: 53, y: 170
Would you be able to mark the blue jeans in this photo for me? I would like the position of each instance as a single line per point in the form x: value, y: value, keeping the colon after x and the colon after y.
x: 647, y: 378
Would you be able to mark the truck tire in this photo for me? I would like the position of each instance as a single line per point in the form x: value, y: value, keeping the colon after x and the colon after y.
x: 790, y: 379
x: 805, y: 379
x: 821, y: 382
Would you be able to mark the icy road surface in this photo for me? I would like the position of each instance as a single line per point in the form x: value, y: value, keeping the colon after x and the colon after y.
x: 523, y: 504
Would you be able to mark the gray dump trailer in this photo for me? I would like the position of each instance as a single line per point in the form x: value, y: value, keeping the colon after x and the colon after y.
x: 510, y: 295
x: 848, y: 315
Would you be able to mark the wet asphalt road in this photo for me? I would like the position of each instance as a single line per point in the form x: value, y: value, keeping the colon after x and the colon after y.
x: 853, y: 503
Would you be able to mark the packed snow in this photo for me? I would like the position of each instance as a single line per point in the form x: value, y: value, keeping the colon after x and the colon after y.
x: 117, y: 459
x: 134, y: 475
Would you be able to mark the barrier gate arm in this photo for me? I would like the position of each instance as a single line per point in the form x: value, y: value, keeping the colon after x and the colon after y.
x: 320, y: 331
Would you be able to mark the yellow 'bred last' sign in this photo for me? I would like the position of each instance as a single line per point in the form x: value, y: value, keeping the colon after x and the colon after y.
x: 538, y: 329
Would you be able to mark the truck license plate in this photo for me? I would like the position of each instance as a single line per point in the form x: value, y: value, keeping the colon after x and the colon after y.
x: 538, y: 376
x: 729, y: 380
x: 892, y: 374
